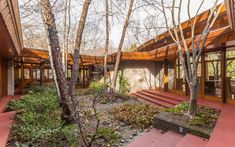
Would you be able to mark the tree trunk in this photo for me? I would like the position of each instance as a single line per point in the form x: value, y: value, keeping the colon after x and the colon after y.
x: 107, y: 39
x: 78, y: 41
x: 54, y: 47
x: 193, y: 101
x: 115, y: 74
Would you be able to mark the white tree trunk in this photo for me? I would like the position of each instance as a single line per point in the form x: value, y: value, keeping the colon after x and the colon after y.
x: 115, y: 74
x: 107, y: 39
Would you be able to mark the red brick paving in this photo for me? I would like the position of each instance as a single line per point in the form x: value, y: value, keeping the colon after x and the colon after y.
x: 223, y: 134
x: 147, y: 139
x: 6, y: 119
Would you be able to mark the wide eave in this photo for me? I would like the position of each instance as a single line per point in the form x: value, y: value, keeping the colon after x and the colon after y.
x: 10, y: 32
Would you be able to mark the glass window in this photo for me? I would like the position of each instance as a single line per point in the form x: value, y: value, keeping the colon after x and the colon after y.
x: 213, y: 74
x: 26, y: 73
x: 171, y: 75
x: 230, y: 75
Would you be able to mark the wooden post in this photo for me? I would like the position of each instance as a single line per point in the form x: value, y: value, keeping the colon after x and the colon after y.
x: 223, y: 75
x: 48, y: 77
x: 203, y: 74
x: 41, y: 74
x: 175, y: 75
x: 22, y: 75
x: 165, y: 78
x: 83, y: 77
x: 31, y: 72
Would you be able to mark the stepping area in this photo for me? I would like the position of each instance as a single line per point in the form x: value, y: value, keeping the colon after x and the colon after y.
x: 222, y: 135
x: 160, y: 98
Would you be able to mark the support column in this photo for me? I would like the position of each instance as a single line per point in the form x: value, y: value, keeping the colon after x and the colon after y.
x: 175, y: 75
x: 165, y: 66
x: 22, y: 75
x: 41, y: 74
x: 48, y: 75
x: 83, y: 80
x: 10, y: 78
x: 31, y: 72
x: 223, y: 75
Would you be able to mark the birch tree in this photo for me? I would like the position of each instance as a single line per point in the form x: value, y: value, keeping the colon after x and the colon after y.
x: 107, y: 39
x: 67, y: 21
x: 54, y: 50
x: 77, y: 46
x: 71, y: 109
x: 118, y: 58
x: 198, y: 43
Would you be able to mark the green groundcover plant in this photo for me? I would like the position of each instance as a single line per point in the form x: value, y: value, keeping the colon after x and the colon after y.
x: 39, y: 122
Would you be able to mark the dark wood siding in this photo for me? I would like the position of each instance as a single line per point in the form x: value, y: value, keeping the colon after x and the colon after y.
x: 3, y: 76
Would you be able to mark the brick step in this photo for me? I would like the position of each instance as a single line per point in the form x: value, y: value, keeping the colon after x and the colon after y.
x: 146, y: 139
x: 155, y: 101
x: 169, y: 139
x: 8, y: 115
x: 3, y: 103
x: 162, y: 98
x: 190, y: 140
x: 169, y: 95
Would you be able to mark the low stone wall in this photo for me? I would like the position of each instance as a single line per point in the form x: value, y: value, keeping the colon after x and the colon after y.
x: 165, y: 122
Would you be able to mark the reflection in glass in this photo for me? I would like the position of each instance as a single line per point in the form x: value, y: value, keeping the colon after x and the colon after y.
x: 213, y: 74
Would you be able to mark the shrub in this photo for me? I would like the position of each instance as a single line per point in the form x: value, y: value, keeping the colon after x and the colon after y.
x: 123, y: 83
x: 108, y: 136
x: 98, y: 87
x: 137, y: 115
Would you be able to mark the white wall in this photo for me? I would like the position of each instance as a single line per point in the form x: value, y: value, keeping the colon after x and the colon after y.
x: 142, y: 74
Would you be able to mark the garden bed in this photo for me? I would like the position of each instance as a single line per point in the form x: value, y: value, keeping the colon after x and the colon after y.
x: 39, y: 124
x: 176, y: 119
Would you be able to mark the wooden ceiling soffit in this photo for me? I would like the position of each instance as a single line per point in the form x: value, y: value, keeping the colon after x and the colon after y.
x: 165, y: 38
x: 9, y: 11
x: 230, y: 5
x: 216, y: 39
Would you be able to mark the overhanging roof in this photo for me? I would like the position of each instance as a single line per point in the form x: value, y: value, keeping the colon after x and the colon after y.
x: 165, y: 39
x: 11, y: 40
x: 37, y: 56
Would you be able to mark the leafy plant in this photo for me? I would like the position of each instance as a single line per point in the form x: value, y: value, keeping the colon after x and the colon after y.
x: 205, y: 117
x: 137, y: 115
x: 123, y: 83
x: 109, y: 134
x: 179, y: 109
x: 98, y: 87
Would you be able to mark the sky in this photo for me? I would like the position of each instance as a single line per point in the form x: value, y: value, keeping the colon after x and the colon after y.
x: 139, y: 15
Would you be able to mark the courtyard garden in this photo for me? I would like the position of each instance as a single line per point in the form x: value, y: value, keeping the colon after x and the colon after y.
x: 39, y: 123
x: 121, y: 118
